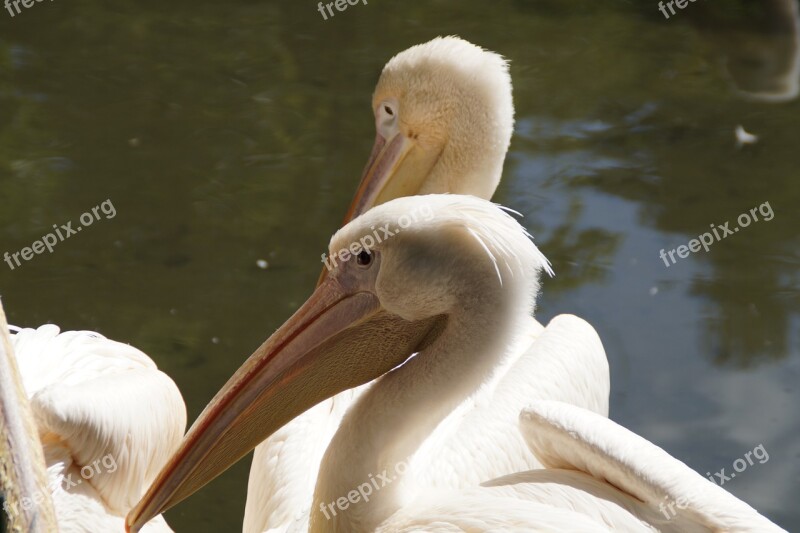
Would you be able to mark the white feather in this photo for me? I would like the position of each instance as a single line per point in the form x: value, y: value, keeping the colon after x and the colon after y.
x: 108, y: 420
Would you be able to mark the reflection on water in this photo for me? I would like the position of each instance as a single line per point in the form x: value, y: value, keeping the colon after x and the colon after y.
x: 759, y: 46
x: 228, y: 134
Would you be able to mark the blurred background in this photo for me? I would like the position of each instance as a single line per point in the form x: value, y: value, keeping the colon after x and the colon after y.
x: 230, y: 137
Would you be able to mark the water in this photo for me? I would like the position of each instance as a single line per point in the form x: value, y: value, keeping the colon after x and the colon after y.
x: 228, y: 133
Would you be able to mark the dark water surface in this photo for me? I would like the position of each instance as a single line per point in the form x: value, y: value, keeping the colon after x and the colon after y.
x: 225, y: 133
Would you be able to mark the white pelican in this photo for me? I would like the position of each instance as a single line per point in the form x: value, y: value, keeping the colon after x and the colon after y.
x: 444, y: 117
x: 107, y: 418
x: 458, y: 289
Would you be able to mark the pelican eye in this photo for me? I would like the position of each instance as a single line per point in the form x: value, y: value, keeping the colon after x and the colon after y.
x: 364, y: 258
x: 386, y: 118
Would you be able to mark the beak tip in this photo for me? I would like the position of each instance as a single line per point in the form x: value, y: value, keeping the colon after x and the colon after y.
x: 136, y: 518
x: 130, y: 522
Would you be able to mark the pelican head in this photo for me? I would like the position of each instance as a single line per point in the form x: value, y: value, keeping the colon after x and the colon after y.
x: 443, y: 119
x: 399, y: 296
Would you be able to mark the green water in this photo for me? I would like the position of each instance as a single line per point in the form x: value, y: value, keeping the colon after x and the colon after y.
x: 227, y: 133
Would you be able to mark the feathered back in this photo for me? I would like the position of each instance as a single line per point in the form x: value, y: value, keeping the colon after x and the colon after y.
x: 106, y: 403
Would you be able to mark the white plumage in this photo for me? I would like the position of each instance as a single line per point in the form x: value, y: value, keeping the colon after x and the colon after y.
x: 108, y: 420
x: 599, y: 477
x: 484, y: 435
x: 451, y: 103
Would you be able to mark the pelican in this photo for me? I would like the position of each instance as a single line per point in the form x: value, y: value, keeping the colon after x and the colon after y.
x: 456, y: 289
x: 107, y: 419
x: 444, y: 117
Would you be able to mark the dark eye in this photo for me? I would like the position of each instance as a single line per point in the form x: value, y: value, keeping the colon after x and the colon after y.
x: 364, y: 258
x: 388, y: 110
